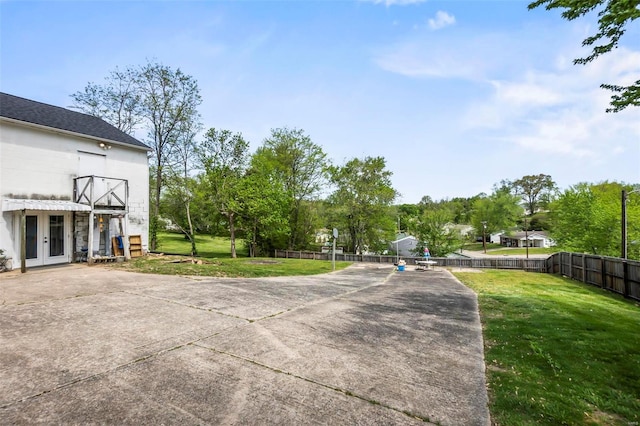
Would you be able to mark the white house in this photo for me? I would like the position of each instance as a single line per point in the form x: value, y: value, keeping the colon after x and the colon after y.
x: 463, y: 230
x: 496, y: 238
x: 530, y: 238
x: 69, y: 184
x: 404, y: 245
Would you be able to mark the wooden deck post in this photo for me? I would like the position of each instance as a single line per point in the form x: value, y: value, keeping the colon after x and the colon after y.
x: 23, y: 241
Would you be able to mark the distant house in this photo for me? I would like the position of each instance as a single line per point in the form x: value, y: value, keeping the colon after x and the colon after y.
x: 403, y: 245
x: 530, y: 238
x: 495, y: 238
x: 463, y: 230
x: 69, y: 184
x: 323, y: 236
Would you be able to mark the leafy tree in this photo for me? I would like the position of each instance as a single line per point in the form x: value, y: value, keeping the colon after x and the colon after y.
x: 464, y: 209
x: 459, y: 208
x: 162, y: 100
x: 361, y: 203
x: 537, y: 222
x: 181, y: 186
x: 534, y: 189
x: 425, y: 202
x: 169, y: 100
x: 118, y: 101
x: 613, y: 16
x: 300, y: 167
x: 499, y: 211
x: 265, y: 210
x: 224, y: 156
x: 406, y: 214
x: 586, y: 219
x: 432, y: 230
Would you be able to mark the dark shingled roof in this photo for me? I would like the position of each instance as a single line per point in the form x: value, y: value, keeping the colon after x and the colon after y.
x: 60, y: 118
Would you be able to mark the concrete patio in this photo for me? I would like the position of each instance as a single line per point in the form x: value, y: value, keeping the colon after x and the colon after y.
x: 366, y: 345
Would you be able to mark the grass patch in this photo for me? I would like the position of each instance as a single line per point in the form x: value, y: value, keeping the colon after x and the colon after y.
x: 207, y: 246
x: 522, y: 251
x: 214, y: 260
x: 479, y: 247
x: 226, y: 267
x: 557, y: 351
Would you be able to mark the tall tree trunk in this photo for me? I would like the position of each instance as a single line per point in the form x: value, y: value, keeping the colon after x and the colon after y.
x: 354, y: 236
x: 232, y: 234
x: 156, y: 210
x: 254, y: 239
x: 295, y: 219
x: 194, y: 250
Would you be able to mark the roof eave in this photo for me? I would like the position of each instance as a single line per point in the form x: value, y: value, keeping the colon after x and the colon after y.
x: 76, y: 134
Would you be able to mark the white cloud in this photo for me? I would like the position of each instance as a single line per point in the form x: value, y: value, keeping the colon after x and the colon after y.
x: 437, y: 57
x: 526, y: 93
x: 561, y: 111
x: 442, y: 19
x: 435, y: 62
x: 522, y: 91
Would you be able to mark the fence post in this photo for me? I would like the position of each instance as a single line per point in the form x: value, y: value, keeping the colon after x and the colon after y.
x: 625, y: 278
x: 603, y: 274
x: 571, y: 266
x: 584, y: 268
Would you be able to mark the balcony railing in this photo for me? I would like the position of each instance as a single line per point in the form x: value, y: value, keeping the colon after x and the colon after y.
x: 102, y: 194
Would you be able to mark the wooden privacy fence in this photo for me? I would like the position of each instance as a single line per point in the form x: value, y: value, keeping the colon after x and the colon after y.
x: 609, y: 273
x: 533, y: 265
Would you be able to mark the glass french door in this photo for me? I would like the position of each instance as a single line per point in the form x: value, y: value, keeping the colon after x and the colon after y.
x: 47, y: 241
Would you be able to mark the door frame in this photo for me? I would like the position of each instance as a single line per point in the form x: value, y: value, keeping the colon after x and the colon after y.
x: 43, y: 237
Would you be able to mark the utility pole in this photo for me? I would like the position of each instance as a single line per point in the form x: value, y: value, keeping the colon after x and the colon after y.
x: 397, y: 242
x: 526, y: 235
x: 484, y: 236
x: 625, y: 195
x: 333, y: 250
x: 624, y: 224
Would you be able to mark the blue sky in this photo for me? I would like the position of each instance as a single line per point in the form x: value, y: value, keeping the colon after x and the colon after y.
x: 455, y: 95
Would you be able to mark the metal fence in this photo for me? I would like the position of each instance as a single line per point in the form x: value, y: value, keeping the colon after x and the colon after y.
x: 609, y: 273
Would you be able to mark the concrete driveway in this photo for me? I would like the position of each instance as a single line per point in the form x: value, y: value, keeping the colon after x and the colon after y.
x: 366, y: 345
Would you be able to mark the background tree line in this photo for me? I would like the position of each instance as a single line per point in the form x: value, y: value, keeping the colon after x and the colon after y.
x: 207, y: 181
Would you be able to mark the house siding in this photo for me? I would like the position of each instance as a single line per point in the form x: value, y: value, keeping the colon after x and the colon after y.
x: 41, y: 163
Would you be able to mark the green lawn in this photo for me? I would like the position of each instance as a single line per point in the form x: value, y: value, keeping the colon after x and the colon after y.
x: 522, y: 251
x: 226, y: 267
x: 500, y: 250
x: 214, y: 259
x: 207, y: 246
x: 479, y: 247
x: 557, y: 351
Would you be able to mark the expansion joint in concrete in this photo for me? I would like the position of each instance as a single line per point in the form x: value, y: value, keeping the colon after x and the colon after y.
x: 187, y: 305
x: 317, y: 383
x: 75, y: 296
x: 106, y: 372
